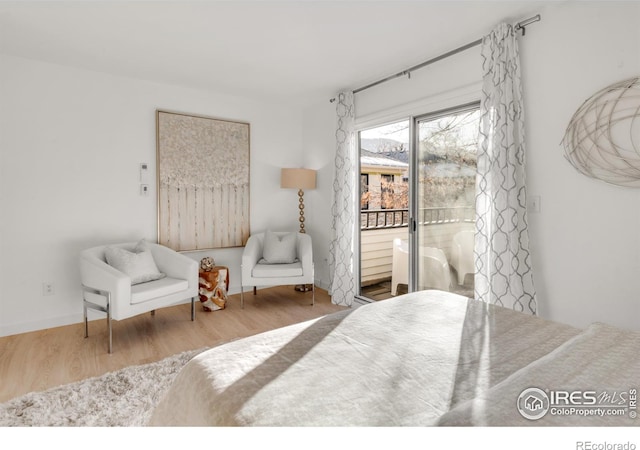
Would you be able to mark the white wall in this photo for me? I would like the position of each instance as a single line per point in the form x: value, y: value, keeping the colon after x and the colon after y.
x: 586, y: 245
x: 71, y: 144
x: 319, y: 144
x: 585, y: 240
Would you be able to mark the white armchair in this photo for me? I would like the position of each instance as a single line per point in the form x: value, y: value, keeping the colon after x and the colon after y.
x: 399, y: 264
x: 462, y: 258
x: 296, y: 269
x: 434, y: 270
x: 111, y: 291
x: 433, y: 266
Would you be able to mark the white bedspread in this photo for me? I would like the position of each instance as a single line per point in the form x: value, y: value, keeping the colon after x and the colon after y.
x: 405, y: 361
x: 601, y: 366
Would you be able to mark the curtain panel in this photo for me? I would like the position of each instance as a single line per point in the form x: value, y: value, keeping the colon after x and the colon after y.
x: 341, y: 253
x: 503, y: 260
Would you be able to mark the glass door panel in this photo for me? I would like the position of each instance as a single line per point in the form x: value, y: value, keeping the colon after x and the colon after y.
x: 384, y: 213
x: 445, y: 198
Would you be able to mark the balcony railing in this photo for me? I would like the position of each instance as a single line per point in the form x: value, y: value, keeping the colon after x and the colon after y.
x: 383, y: 218
x: 394, y: 218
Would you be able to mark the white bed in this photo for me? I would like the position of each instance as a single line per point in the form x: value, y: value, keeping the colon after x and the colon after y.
x: 420, y: 359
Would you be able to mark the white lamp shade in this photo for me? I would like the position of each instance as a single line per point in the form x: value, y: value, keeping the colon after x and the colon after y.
x: 298, y: 178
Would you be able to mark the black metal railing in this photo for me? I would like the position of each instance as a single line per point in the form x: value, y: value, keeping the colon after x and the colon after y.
x: 372, y: 219
x: 395, y: 218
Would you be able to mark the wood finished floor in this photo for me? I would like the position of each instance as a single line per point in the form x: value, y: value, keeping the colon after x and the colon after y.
x: 43, y: 359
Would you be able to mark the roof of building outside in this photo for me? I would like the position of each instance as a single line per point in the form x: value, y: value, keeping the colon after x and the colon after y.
x: 368, y: 158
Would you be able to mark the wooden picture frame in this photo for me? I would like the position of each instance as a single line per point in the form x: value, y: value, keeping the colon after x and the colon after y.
x: 202, y: 181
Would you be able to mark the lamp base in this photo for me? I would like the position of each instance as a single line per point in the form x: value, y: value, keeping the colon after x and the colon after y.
x: 303, y: 287
x: 301, y: 207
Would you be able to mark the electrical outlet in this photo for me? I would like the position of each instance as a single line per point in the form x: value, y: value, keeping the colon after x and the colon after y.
x: 47, y: 288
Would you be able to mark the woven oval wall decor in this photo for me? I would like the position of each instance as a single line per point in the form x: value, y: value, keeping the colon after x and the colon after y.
x: 602, y: 139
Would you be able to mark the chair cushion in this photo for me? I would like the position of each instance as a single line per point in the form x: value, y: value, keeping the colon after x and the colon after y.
x: 151, y: 290
x: 266, y: 270
x: 279, y: 248
x: 137, y: 264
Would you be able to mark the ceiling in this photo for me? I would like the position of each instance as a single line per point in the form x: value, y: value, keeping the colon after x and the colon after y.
x: 287, y: 51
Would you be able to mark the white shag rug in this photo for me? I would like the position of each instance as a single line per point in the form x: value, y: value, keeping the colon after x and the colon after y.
x: 122, y: 398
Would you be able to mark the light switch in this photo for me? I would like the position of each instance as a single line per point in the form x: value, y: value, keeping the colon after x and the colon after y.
x: 535, y: 203
x: 144, y: 172
x: 144, y: 190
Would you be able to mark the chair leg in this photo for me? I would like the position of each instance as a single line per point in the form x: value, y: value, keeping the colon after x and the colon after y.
x: 193, y: 309
x: 109, y: 326
x: 313, y: 287
x: 241, y: 298
x: 86, y: 321
x: 153, y: 312
x: 255, y: 291
x: 105, y: 309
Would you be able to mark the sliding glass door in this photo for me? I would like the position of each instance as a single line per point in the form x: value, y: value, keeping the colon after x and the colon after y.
x: 445, y: 177
x: 417, y: 204
x: 384, y: 210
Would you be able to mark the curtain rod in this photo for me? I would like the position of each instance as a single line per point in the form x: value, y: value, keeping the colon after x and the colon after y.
x: 407, y: 72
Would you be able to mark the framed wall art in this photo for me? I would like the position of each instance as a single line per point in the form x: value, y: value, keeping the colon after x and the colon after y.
x: 203, y: 181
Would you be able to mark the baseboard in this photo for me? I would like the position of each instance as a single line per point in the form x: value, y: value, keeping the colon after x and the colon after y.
x: 27, y: 327
x: 322, y: 285
x: 236, y: 289
x: 54, y: 322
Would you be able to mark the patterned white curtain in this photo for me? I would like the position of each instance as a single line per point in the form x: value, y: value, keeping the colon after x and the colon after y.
x: 503, y: 262
x: 342, y: 282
